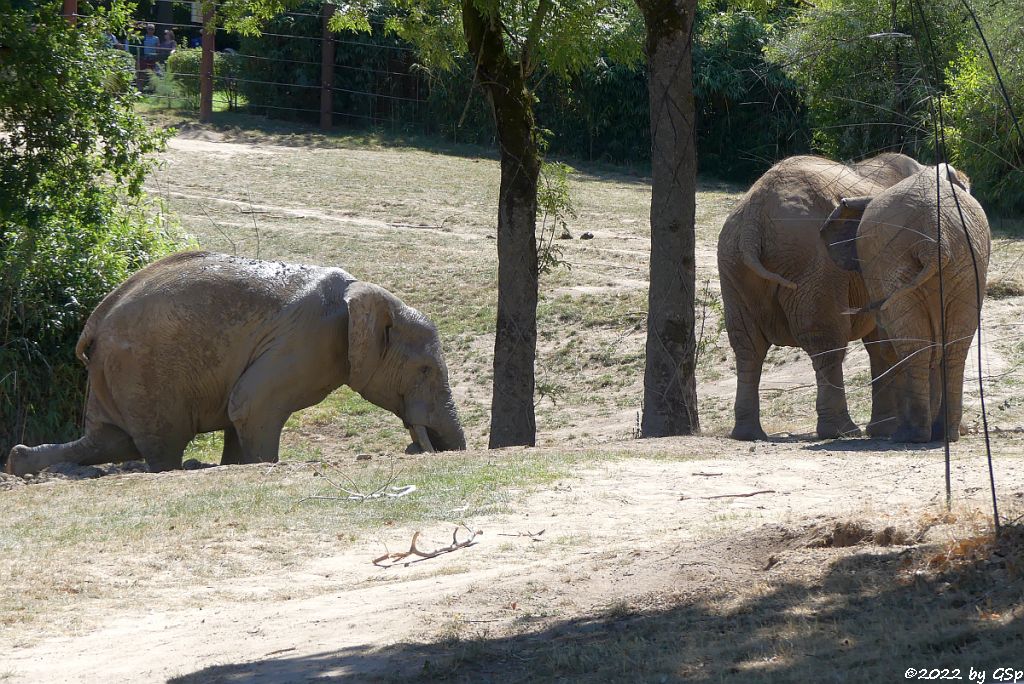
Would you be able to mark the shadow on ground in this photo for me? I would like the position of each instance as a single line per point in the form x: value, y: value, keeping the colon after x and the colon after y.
x: 869, y: 616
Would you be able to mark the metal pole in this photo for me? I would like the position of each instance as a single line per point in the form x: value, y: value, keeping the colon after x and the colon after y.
x: 326, y: 69
x: 206, y: 65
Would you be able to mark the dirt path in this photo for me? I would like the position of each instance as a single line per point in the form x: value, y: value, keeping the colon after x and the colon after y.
x: 639, y: 526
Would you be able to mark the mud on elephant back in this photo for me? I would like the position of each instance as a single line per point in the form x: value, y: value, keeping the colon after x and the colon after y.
x: 890, y: 238
x: 199, y: 342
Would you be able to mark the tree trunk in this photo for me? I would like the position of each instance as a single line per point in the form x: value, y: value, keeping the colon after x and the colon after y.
x: 670, y: 393
x: 515, y: 342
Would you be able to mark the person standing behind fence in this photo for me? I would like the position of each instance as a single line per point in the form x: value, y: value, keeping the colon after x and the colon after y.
x: 150, y: 48
x: 167, y: 45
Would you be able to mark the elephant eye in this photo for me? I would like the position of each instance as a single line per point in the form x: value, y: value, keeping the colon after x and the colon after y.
x: 425, y: 370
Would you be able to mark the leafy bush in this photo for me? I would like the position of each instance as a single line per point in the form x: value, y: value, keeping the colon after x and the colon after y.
x: 749, y: 113
x: 73, y: 219
x: 866, y: 71
x: 981, y: 135
x: 183, y: 67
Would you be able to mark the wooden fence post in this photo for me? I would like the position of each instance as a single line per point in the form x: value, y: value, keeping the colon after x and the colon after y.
x: 326, y: 69
x: 206, y: 64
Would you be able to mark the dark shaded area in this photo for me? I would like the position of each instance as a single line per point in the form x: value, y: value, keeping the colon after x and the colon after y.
x: 869, y: 617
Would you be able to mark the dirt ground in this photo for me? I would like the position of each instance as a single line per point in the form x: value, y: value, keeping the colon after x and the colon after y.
x: 639, y: 560
x: 644, y: 530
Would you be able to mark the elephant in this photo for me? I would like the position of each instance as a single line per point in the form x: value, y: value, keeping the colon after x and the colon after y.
x: 198, y: 342
x: 889, y: 168
x: 889, y: 237
x: 780, y: 287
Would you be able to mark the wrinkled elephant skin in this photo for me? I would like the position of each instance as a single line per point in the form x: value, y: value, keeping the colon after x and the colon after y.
x: 780, y: 287
x: 199, y: 342
x: 890, y: 237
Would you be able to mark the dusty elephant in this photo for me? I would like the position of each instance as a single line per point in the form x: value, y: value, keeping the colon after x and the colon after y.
x: 780, y: 287
x: 889, y: 168
x: 199, y: 342
x: 890, y: 238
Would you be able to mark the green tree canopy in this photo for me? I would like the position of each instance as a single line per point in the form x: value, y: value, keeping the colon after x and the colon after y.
x: 73, y: 223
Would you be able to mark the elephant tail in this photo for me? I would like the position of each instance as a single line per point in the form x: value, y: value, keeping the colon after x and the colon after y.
x: 753, y: 262
x: 869, y: 308
x: 84, y: 343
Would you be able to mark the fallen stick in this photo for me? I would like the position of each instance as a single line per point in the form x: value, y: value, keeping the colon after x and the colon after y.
x: 706, y: 474
x: 415, y: 225
x: 729, y: 496
x: 532, y: 535
x: 397, y: 558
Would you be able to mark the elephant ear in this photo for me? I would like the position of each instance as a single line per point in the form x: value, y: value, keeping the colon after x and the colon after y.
x: 957, y: 177
x: 840, y: 231
x: 370, y: 318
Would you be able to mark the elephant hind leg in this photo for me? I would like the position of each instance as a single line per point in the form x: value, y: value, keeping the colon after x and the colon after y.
x: 750, y: 355
x: 884, y: 385
x: 950, y: 407
x: 102, y: 443
x: 833, y: 415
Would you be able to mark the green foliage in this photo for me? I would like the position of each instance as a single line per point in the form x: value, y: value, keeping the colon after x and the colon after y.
x: 867, y: 73
x: 73, y: 219
x: 749, y: 113
x: 183, y: 68
x: 374, y: 77
x: 555, y: 205
x: 981, y: 135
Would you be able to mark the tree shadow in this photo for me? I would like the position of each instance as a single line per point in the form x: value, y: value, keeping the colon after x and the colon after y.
x: 872, y: 614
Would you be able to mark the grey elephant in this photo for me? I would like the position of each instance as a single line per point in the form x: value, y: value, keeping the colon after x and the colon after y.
x: 780, y: 287
x: 198, y: 342
x: 889, y: 237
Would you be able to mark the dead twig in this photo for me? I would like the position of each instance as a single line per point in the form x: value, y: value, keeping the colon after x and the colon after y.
x: 386, y: 490
x: 533, y: 536
x: 396, y: 558
x: 730, y: 496
x: 706, y: 474
x: 415, y: 225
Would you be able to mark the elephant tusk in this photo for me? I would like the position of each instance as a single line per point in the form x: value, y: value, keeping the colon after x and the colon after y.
x: 420, y: 433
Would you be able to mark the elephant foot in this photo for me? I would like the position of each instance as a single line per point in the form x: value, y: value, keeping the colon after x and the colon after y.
x: 18, y: 462
x: 836, y: 430
x: 881, y: 429
x: 749, y: 433
x: 916, y: 435
x: 938, y: 436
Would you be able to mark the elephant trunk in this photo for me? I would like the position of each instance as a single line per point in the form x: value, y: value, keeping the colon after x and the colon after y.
x: 438, y: 429
x: 449, y: 435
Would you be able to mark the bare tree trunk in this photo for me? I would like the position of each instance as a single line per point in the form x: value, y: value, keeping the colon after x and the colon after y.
x: 515, y: 343
x: 670, y: 393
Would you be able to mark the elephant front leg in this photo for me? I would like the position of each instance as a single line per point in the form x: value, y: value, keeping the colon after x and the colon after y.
x: 833, y: 416
x: 232, y: 453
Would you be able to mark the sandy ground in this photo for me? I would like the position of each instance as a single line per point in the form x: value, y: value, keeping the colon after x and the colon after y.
x: 623, y: 529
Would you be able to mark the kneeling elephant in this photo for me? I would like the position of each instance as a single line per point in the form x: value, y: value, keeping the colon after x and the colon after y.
x: 198, y: 342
